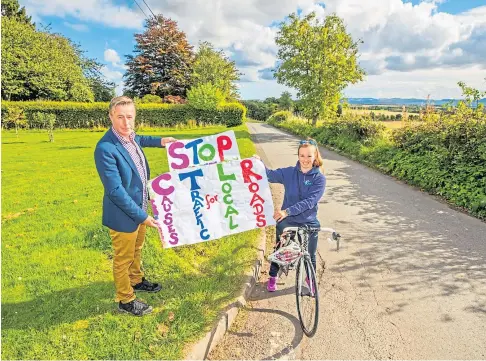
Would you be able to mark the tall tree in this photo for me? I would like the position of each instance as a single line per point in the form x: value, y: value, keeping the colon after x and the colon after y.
x: 40, y: 65
x: 162, y: 64
x: 103, y: 90
x: 319, y: 59
x: 285, y: 101
x: 11, y: 9
x: 212, y: 66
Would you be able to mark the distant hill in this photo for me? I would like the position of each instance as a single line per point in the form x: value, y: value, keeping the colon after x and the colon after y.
x: 402, y: 101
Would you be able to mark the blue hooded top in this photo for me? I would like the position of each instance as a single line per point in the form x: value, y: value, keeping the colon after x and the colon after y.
x: 302, y: 191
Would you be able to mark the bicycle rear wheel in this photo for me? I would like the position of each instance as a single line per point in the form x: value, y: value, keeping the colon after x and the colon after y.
x: 307, y: 296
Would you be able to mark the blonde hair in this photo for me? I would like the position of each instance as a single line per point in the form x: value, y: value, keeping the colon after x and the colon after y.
x: 318, y: 162
x: 121, y: 100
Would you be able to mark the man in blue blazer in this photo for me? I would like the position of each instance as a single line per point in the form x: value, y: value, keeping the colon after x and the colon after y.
x: 124, y: 172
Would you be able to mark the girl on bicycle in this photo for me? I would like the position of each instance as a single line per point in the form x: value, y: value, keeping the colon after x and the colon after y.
x: 304, y: 185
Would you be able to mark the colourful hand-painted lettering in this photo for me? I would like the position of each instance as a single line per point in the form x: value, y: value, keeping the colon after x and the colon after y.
x: 227, y: 198
x: 197, y: 200
x: 256, y: 201
x: 166, y: 205
x: 210, y: 200
x: 183, y: 154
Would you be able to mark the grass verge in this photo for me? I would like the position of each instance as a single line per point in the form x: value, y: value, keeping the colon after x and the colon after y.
x: 57, y: 284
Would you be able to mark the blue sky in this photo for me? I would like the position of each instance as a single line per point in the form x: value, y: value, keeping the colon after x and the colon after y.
x: 411, y: 48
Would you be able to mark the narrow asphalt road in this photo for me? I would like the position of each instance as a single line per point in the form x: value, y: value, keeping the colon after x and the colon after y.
x: 409, y: 281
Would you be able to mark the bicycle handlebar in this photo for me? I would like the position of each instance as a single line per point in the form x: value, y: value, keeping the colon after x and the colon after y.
x: 335, y: 235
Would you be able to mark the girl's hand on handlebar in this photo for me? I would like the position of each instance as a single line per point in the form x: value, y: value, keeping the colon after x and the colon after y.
x: 280, y: 215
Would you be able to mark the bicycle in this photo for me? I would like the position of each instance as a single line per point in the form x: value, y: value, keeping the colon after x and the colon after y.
x: 291, y: 252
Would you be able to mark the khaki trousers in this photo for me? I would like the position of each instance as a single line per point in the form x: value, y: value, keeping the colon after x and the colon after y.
x: 127, y: 263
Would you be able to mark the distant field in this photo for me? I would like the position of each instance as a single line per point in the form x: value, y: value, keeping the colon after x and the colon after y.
x: 393, y: 124
x: 368, y: 111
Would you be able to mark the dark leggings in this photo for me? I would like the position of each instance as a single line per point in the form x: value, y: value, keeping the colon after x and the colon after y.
x: 312, y: 246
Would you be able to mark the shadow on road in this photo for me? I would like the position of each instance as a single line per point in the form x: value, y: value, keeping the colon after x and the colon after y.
x: 419, y: 247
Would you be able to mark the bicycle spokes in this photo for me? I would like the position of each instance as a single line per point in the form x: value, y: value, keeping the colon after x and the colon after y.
x: 307, y: 297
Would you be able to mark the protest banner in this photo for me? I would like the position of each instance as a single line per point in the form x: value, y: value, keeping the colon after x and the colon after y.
x: 201, y: 151
x: 209, y: 202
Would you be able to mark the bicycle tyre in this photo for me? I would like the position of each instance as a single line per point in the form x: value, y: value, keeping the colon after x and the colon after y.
x: 305, y: 267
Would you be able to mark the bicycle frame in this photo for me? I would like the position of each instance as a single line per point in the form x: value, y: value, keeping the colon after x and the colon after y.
x: 287, y: 235
x: 302, y: 233
x: 305, y: 271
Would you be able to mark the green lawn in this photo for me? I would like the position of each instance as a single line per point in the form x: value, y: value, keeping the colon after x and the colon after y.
x: 57, y: 284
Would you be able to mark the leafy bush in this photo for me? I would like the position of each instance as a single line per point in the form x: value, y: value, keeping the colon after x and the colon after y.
x: 14, y: 118
x: 258, y: 109
x: 446, y: 155
x: 205, y: 97
x: 174, y: 99
x: 48, y: 120
x: 232, y: 114
x: 89, y: 115
x: 358, y: 128
x: 150, y: 99
x: 279, y: 117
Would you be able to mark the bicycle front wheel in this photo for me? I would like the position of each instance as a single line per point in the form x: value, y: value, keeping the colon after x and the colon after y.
x: 307, y: 296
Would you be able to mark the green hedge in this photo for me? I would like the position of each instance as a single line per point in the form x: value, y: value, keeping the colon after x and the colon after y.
x: 258, y: 110
x: 88, y: 115
x: 279, y: 117
x: 445, y: 156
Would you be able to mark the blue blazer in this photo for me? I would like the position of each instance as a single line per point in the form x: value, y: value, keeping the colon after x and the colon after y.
x: 122, y: 201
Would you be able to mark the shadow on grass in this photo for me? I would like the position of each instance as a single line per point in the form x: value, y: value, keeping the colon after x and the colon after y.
x: 73, y: 147
x: 60, y: 307
x: 228, y: 263
x: 97, y: 237
x: 70, y: 305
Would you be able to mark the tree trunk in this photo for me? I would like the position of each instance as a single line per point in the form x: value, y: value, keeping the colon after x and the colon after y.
x: 314, y: 120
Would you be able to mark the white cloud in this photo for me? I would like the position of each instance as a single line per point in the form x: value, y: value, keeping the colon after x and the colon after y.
x: 77, y: 27
x: 399, y: 38
x: 100, y: 11
x: 112, y: 75
x: 111, y: 56
x: 250, y: 74
x: 119, y: 88
x: 439, y: 83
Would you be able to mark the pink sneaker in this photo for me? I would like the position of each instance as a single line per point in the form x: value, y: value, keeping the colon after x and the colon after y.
x: 272, y: 284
